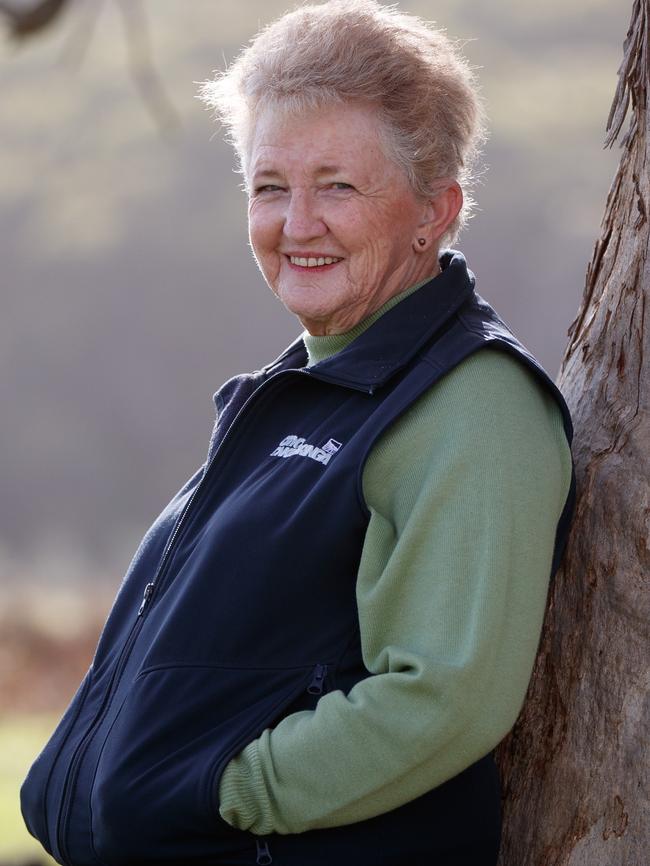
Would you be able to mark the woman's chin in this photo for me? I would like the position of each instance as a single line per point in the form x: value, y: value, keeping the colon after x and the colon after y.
x: 308, y: 306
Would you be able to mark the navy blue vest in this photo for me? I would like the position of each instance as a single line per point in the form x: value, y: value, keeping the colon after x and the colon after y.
x: 239, y: 608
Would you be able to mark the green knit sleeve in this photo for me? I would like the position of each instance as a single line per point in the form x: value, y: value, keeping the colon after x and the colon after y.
x: 464, y: 492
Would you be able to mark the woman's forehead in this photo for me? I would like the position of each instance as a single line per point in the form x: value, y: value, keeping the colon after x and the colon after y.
x: 323, y: 141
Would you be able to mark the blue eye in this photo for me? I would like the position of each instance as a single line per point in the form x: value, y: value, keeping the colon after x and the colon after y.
x: 340, y: 185
x: 269, y: 187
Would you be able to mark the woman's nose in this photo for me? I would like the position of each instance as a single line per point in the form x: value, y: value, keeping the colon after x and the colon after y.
x: 302, y: 220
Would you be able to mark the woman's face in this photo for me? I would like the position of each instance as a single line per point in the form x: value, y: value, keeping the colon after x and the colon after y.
x: 333, y: 222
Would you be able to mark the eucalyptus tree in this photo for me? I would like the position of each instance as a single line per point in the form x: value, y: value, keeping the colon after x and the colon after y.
x: 575, y: 767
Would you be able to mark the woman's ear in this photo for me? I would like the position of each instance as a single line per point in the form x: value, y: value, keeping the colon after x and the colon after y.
x: 440, y: 210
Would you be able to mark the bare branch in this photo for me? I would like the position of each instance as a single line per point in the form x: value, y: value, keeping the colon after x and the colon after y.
x: 142, y: 68
x: 24, y: 23
x: 75, y: 49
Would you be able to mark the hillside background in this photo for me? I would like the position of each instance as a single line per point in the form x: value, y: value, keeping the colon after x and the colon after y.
x: 128, y: 292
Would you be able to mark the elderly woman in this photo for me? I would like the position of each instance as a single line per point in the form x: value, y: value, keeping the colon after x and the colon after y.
x: 329, y: 628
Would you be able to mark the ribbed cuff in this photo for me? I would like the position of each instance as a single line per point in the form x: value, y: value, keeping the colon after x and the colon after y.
x: 243, y: 799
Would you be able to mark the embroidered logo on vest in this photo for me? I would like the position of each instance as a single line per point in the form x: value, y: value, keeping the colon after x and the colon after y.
x: 296, y: 446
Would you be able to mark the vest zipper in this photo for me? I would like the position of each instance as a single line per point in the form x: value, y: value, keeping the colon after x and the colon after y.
x: 315, y: 687
x: 263, y: 853
x: 149, y: 591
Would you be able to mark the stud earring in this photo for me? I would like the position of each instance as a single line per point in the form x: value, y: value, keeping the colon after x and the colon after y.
x: 422, y: 241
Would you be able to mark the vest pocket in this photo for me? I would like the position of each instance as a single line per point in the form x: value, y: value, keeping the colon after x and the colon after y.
x: 154, y: 795
x: 310, y: 683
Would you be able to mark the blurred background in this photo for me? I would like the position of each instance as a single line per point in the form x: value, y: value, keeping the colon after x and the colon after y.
x: 128, y: 291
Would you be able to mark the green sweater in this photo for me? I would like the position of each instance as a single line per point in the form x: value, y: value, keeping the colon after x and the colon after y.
x: 464, y: 493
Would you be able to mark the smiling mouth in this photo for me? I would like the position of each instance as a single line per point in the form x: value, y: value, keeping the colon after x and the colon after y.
x: 313, y: 261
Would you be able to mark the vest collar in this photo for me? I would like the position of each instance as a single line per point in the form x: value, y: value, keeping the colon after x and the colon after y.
x: 392, y: 341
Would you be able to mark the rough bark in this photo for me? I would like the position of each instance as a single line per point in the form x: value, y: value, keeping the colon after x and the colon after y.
x: 575, y: 768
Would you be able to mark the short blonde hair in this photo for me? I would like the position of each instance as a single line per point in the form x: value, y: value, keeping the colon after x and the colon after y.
x: 423, y: 88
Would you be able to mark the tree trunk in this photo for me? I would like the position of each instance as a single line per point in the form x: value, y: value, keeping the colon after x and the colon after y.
x: 575, y: 768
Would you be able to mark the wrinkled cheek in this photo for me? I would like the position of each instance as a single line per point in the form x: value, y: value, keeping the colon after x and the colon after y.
x: 268, y: 260
x: 272, y: 272
x: 367, y: 271
x: 268, y: 265
x: 261, y: 232
x: 278, y: 273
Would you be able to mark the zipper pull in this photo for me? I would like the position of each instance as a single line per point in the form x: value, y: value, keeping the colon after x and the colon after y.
x: 315, y: 687
x: 148, y: 592
x: 263, y: 853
